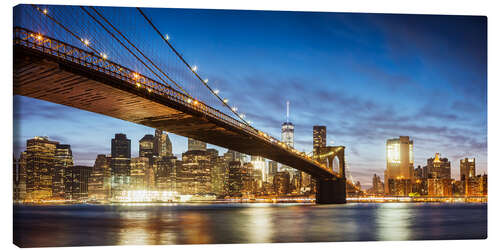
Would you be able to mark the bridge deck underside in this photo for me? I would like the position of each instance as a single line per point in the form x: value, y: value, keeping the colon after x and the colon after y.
x: 59, y: 81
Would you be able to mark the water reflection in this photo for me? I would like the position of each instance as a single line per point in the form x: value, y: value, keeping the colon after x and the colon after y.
x: 394, y: 221
x: 243, y: 223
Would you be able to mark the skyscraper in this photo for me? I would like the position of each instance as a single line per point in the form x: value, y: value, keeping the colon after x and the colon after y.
x: 287, y: 131
x: 467, y: 168
x: 399, y: 162
x: 64, y: 162
x: 146, y: 146
x: 120, y: 164
x: 287, y: 128
x: 162, y: 145
x: 80, y: 176
x: 40, y: 161
x: 319, y: 139
x: 100, y: 179
x: 259, y: 164
x: 196, y: 145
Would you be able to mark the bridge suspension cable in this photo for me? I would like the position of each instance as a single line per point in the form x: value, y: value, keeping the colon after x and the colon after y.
x: 123, y: 45
x: 135, y: 47
x: 193, y: 70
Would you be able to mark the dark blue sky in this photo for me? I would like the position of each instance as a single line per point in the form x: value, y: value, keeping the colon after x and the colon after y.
x: 367, y: 77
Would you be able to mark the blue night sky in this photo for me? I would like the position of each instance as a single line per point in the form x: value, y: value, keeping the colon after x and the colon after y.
x: 367, y: 77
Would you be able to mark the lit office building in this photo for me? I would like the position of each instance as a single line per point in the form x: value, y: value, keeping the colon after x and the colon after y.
x: 80, y: 176
x: 40, y: 161
x: 399, y: 165
x: 120, y: 165
x: 467, y: 168
x: 165, y: 173
x: 281, y: 183
x: 63, y: 164
x: 377, y: 185
x: 162, y: 145
x: 437, y: 168
x: 319, y: 139
x: 146, y: 146
x: 272, y: 170
x: 232, y: 155
x: 138, y: 169
x: 235, y: 178
x: 196, y: 174
x: 196, y: 145
x: 219, y: 176
x: 259, y: 164
x: 100, y: 179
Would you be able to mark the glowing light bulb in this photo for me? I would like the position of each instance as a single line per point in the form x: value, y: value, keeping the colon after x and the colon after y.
x: 167, y: 37
x: 194, y: 68
x: 104, y: 56
x: 216, y: 91
x: 86, y: 42
x: 135, y: 75
x: 226, y: 100
x: 195, y: 102
x: 39, y: 37
x: 45, y: 11
x: 189, y: 100
x: 235, y: 109
x: 206, y: 80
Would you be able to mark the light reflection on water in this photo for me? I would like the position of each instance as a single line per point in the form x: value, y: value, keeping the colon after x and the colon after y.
x: 145, y: 224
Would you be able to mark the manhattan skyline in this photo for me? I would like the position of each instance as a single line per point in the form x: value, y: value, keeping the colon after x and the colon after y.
x: 366, y: 77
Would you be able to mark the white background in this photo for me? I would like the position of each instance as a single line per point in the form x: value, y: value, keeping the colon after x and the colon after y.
x: 475, y: 7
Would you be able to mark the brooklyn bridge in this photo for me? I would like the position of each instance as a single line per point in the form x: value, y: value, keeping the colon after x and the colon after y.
x: 85, y: 57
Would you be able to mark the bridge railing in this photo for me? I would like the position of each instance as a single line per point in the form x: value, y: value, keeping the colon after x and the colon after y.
x: 53, y: 47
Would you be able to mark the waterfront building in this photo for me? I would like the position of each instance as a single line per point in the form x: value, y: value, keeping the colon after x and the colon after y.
x: 259, y: 164
x: 476, y: 186
x: 438, y: 168
x: 40, y: 161
x: 377, y: 185
x: 80, y: 176
x: 281, y: 183
x: 99, y: 187
x: 399, y: 164
x: 60, y: 180
x: 467, y: 168
x: 196, y: 145
x: 219, y: 176
x: 20, y: 178
x: 165, y: 173
x: 399, y: 186
x: 138, y: 169
x: 196, y: 172
x: 235, y: 178
x: 120, y: 164
x: 440, y: 187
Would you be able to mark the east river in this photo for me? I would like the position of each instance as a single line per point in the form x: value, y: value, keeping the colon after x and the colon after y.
x: 142, y: 224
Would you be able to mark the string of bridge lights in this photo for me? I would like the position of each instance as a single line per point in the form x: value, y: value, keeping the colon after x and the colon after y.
x: 166, y: 38
x: 194, y: 68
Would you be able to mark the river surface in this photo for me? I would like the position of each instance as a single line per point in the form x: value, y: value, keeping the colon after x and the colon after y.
x: 89, y: 225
